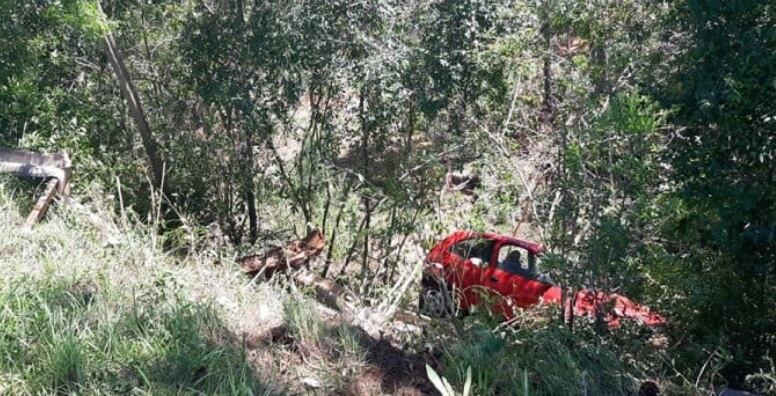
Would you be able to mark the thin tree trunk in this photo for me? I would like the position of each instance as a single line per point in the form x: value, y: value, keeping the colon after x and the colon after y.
x: 330, y: 251
x: 545, y: 31
x: 365, y: 128
x: 364, y: 135
x: 410, y: 129
x: 354, y: 245
x: 598, y: 59
x: 547, y: 80
x: 130, y: 95
x: 240, y: 8
x: 250, y: 196
x: 365, y: 253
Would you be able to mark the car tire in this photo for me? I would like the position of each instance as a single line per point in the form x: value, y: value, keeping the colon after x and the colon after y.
x: 436, y: 301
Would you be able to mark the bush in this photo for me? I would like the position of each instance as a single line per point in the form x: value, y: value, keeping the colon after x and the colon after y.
x: 545, y: 360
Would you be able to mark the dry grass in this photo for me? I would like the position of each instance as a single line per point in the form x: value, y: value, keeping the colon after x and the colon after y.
x: 141, y: 319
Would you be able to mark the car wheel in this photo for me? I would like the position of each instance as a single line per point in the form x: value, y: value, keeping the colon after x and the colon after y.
x: 436, y: 301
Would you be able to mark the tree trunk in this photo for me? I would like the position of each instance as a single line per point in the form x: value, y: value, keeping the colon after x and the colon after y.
x: 365, y: 252
x: 598, y: 59
x: 250, y: 196
x: 410, y: 129
x: 130, y: 95
x: 546, y: 33
x: 365, y: 127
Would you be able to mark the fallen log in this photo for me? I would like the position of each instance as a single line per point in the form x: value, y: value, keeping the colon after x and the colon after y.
x: 293, y: 255
x: 334, y: 296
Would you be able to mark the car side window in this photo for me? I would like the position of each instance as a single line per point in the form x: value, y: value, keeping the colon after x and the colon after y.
x: 478, y: 250
x: 514, y: 260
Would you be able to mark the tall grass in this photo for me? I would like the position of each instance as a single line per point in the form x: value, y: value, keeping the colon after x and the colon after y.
x: 56, y: 337
x: 334, y: 350
x: 545, y: 360
x: 90, y: 304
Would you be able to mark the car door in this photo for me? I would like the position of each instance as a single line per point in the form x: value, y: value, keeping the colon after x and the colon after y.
x: 498, y: 283
x: 514, y: 281
x: 467, y: 260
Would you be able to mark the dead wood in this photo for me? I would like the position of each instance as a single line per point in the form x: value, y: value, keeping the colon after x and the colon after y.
x: 461, y: 182
x: 41, y: 206
x: 293, y: 255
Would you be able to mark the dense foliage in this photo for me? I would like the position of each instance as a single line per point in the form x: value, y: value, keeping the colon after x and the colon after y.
x: 635, y: 138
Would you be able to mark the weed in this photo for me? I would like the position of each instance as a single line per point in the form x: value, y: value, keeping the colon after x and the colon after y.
x: 304, y: 323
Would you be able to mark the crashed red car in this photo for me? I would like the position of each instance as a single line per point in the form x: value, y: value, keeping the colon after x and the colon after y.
x: 460, y: 268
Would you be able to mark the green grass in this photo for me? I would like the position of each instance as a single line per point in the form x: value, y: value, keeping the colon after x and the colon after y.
x: 539, y: 360
x: 90, y: 304
x: 305, y: 325
x: 59, y: 336
x: 334, y: 350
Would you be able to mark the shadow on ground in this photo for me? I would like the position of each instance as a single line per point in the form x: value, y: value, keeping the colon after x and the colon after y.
x: 387, y: 370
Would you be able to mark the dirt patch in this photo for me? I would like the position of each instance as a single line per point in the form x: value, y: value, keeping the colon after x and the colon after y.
x: 370, y: 382
x: 273, y: 335
x: 388, y: 369
x: 399, y: 372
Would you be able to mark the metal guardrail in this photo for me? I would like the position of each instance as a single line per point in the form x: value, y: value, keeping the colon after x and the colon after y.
x: 55, y: 169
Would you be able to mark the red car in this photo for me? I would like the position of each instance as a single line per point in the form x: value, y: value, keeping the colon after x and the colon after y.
x: 465, y: 264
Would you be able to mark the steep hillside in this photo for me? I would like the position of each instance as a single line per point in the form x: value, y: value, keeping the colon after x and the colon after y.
x: 92, y: 304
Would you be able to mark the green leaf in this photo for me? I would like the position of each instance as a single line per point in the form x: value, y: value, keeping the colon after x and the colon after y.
x: 467, y: 386
x: 442, y: 386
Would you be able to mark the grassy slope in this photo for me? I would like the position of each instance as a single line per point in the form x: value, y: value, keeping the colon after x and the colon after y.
x: 95, y: 307
x: 91, y: 306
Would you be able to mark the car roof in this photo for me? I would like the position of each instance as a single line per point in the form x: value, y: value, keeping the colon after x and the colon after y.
x: 462, y: 235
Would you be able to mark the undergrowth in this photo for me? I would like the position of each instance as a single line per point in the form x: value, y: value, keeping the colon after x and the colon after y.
x: 92, y: 304
x: 549, y: 361
x: 66, y: 336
